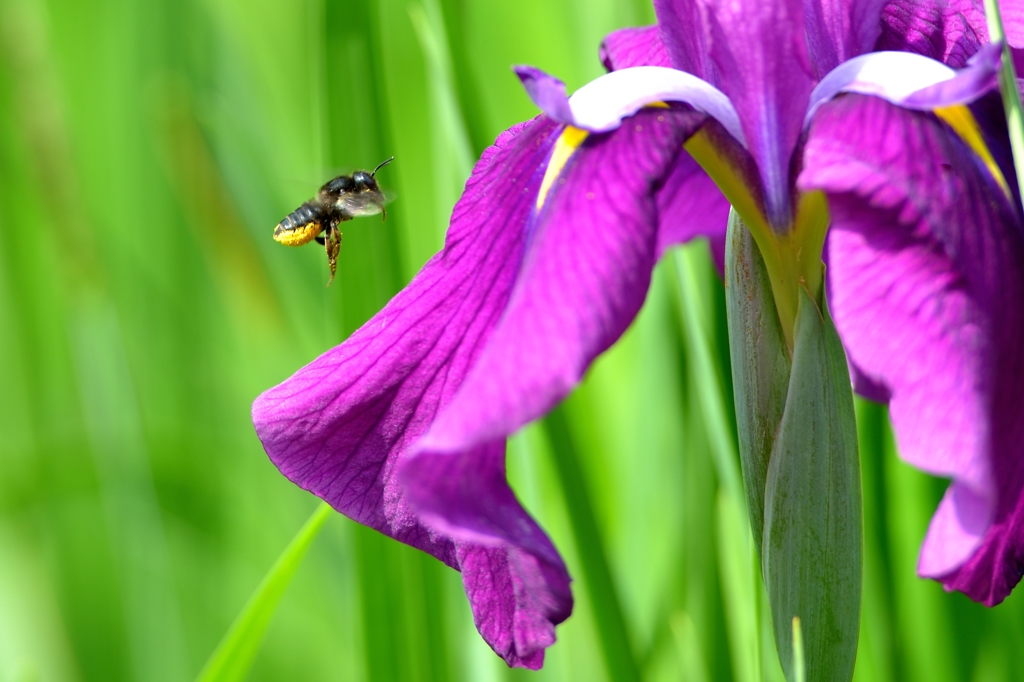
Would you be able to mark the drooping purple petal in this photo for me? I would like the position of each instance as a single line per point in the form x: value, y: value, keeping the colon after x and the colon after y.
x: 684, y: 32
x: 926, y: 284
x: 761, y: 56
x: 603, y: 103
x: 518, y: 591
x: 340, y: 426
x: 630, y: 47
x: 910, y: 80
x: 584, y: 278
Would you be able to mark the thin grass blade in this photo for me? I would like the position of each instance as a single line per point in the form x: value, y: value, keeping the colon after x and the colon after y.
x: 739, y: 584
x: 1010, y: 89
x: 232, y: 658
x: 608, y: 614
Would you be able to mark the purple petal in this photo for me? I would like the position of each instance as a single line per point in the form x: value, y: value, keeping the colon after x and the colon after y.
x: 761, y: 56
x: 691, y: 205
x: 630, y: 47
x: 547, y: 92
x: 602, y: 104
x: 839, y: 30
x: 980, y: 77
x: 950, y: 32
x: 684, y: 32
x: 584, y: 278
x: 941, y: 31
x: 926, y: 284
x: 1013, y: 22
x: 910, y: 80
x: 513, y: 574
x: 340, y: 425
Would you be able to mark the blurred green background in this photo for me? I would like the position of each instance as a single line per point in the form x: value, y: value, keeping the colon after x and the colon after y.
x: 146, y: 151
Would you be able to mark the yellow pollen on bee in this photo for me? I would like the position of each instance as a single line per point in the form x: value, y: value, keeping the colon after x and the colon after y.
x: 566, y: 145
x: 297, y: 236
x: 962, y: 121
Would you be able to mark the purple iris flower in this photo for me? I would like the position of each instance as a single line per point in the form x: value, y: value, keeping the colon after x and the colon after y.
x: 548, y: 258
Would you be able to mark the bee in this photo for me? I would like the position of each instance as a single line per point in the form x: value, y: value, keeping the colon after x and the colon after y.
x: 343, y: 198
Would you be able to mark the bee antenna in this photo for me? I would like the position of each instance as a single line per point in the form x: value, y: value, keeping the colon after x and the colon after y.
x: 381, y: 165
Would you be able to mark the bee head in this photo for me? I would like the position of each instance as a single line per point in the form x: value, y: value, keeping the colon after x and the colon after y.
x: 337, y: 187
x: 354, y: 195
x: 363, y: 181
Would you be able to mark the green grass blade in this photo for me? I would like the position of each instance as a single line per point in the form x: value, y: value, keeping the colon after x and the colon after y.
x: 688, y: 643
x: 739, y: 584
x: 451, y: 154
x: 1011, y: 91
x: 232, y: 658
x: 611, y: 624
x: 688, y: 260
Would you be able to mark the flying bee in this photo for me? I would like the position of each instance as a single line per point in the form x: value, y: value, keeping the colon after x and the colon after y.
x: 343, y: 198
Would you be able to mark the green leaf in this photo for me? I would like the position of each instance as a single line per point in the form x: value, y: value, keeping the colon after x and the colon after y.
x: 812, y: 525
x: 232, y: 658
x: 798, y: 445
x: 760, y: 363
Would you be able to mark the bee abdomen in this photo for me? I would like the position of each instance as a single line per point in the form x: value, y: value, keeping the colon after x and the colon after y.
x: 300, y: 226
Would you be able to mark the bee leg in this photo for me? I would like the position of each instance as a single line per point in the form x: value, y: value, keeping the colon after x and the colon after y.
x: 383, y: 214
x: 332, y: 243
x: 319, y: 240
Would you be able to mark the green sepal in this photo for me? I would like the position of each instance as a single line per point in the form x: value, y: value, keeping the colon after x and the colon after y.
x: 760, y: 363
x: 812, y: 522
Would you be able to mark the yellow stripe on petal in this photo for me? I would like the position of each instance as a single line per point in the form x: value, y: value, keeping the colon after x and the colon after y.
x: 962, y: 121
x: 566, y: 145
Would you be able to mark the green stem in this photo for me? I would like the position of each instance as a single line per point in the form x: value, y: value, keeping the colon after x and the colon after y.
x: 611, y: 625
x: 1011, y: 91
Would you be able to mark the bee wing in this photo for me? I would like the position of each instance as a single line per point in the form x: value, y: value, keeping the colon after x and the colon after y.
x: 359, y: 204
